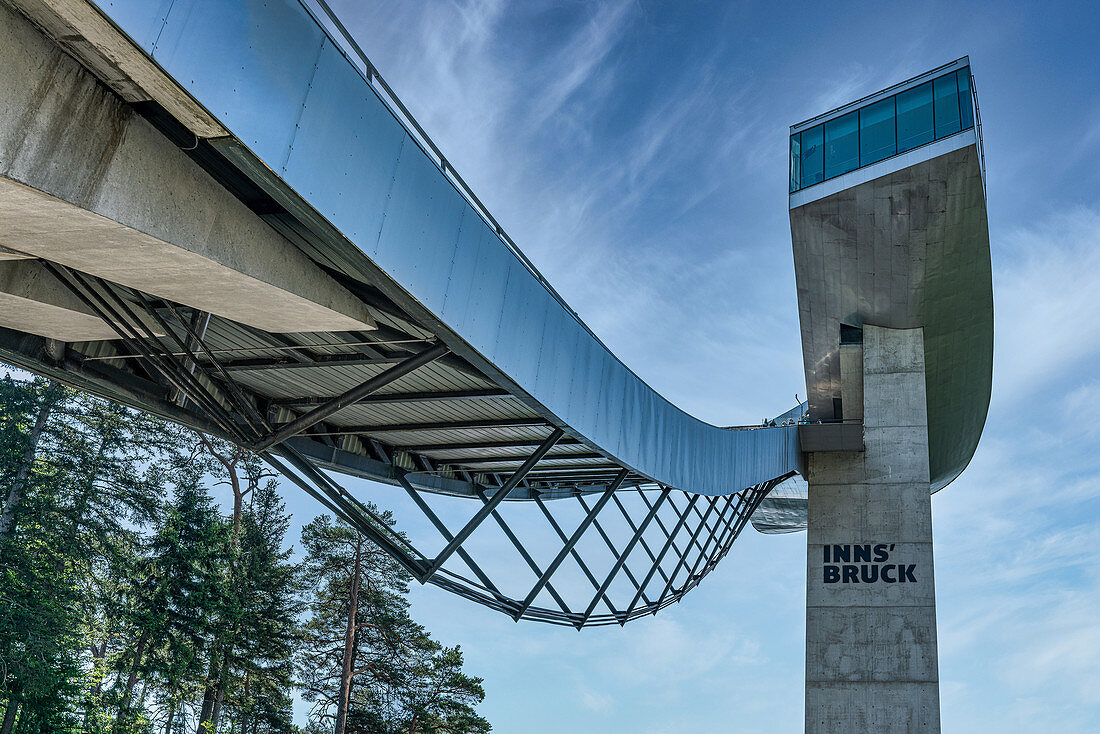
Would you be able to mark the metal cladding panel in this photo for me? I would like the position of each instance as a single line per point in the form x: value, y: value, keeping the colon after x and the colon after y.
x: 269, y: 73
x: 784, y: 510
x: 340, y: 112
x: 572, y: 347
x: 612, y: 392
x: 249, y: 62
x: 141, y: 19
x: 479, y: 260
x: 423, y: 214
x: 522, y: 320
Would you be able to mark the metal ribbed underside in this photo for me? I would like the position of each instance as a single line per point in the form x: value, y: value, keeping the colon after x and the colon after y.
x: 594, y: 544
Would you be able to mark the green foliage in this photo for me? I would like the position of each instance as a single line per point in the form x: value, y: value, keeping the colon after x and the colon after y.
x: 40, y: 625
x: 398, y: 679
x: 73, y: 486
x: 132, y: 603
x: 188, y: 584
x: 265, y: 629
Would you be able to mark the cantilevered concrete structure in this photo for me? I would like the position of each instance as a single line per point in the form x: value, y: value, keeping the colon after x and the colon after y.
x: 218, y: 211
x: 891, y: 251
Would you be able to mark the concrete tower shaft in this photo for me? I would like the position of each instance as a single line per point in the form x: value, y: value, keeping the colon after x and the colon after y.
x: 871, y: 598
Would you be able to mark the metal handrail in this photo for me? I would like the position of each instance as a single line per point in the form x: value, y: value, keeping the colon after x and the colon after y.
x: 369, y: 73
x: 807, y: 421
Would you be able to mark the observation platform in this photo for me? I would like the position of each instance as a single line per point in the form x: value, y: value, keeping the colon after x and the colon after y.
x: 888, y: 222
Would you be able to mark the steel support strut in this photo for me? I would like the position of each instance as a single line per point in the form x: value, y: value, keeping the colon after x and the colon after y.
x: 449, y: 536
x: 545, y: 578
x: 496, y: 499
x: 664, y: 550
x: 340, y: 402
x: 170, y: 342
x: 621, y: 560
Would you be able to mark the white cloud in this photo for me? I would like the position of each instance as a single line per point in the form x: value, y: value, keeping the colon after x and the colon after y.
x: 1046, y: 278
x: 663, y: 651
x: 669, y: 237
x: 595, y: 701
x: 578, y: 60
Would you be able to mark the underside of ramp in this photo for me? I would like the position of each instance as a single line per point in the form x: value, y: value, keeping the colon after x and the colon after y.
x: 281, y: 257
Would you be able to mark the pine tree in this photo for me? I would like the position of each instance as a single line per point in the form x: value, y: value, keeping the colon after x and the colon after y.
x: 243, y: 472
x: 187, y: 587
x: 121, y: 613
x: 39, y: 619
x: 114, y: 459
x: 357, y: 603
x: 268, y: 632
x: 367, y: 666
x: 27, y: 571
x: 27, y: 407
x: 438, y: 696
x: 80, y: 476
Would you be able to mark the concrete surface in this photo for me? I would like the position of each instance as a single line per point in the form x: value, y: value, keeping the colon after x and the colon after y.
x: 905, y: 250
x: 34, y: 301
x: 871, y: 653
x: 82, y: 31
x: 86, y: 182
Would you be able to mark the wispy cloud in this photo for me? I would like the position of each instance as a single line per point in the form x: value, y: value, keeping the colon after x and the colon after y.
x: 664, y: 650
x: 1046, y: 280
x: 594, y: 701
x: 575, y: 63
x: 640, y: 161
x: 1020, y: 575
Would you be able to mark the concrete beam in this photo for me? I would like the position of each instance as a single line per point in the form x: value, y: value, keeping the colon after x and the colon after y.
x: 6, y: 255
x: 34, y: 301
x: 79, y: 28
x: 830, y: 437
x: 86, y: 182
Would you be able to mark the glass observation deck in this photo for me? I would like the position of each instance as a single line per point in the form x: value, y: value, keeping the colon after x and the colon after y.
x: 920, y: 111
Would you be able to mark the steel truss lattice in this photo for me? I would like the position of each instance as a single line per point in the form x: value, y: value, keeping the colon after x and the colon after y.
x: 638, y: 546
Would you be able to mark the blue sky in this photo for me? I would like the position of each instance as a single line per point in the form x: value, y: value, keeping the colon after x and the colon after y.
x: 637, y: 152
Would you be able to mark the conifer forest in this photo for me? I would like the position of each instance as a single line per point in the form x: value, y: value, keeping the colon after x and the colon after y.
x: 132, y: 601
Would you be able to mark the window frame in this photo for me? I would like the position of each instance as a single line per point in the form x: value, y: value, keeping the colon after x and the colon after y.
x: 796, y: 181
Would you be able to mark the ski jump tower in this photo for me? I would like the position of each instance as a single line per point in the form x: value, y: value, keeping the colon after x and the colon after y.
x: 891, y: 252
x: 219, y: 212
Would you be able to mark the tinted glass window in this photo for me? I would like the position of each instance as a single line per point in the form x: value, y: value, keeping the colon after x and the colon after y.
x: 813, y: 158
x: 946, y: 106
x: 794, y: 162
x: 907, y: 120
x: 965, y: 105
x: 915, y: 126
x: 842, y: 145
x: 877, y: 138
